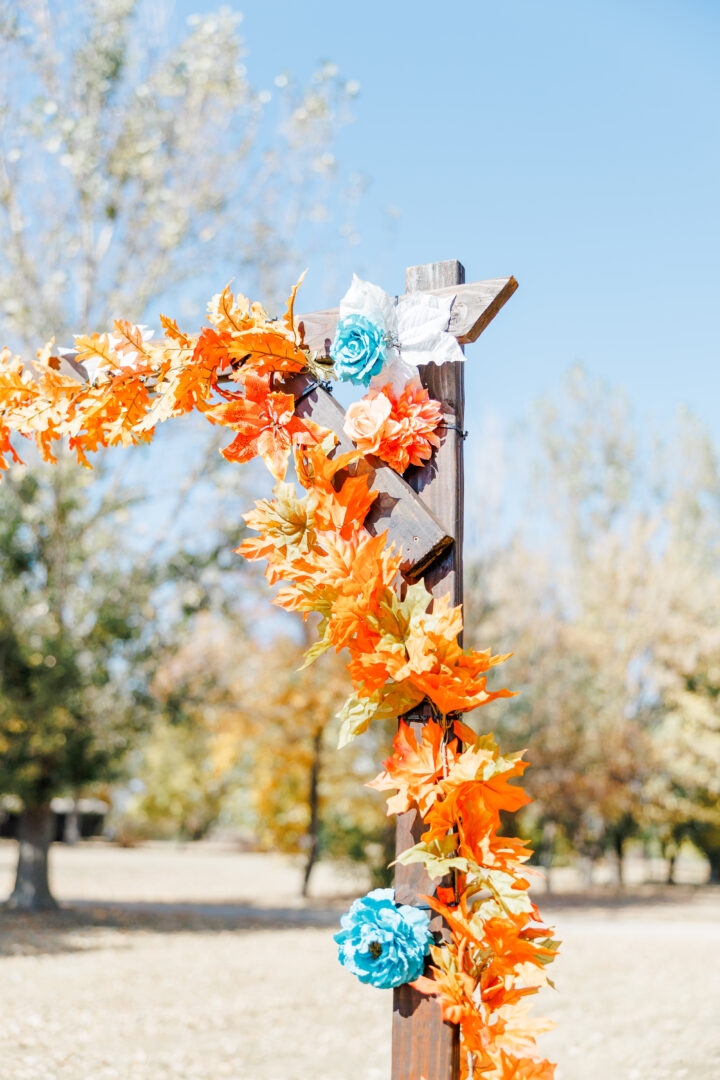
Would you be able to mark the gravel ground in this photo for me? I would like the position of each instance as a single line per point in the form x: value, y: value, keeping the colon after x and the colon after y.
x: 164, y: 964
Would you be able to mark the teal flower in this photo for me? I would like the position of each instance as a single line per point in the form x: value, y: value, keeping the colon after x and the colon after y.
x: 358, y: 349
x: 382, y: 943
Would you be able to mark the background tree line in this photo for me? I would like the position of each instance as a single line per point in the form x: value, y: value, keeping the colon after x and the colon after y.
x: 133, y: 656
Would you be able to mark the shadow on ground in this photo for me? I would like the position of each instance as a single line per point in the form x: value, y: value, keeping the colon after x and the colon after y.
x: 82, y: 925
x: 76, y: 923
x: 648, y: 897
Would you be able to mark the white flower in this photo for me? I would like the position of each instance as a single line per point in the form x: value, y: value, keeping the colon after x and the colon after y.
x: 416, y: 329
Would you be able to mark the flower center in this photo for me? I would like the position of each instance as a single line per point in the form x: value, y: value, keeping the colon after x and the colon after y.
x: 375, y: 949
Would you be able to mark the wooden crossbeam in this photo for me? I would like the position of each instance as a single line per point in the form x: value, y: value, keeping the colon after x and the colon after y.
x: 411, y: 526
x: 476, y: 305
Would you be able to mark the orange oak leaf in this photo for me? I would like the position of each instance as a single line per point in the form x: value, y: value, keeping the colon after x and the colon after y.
x: 7, y: 449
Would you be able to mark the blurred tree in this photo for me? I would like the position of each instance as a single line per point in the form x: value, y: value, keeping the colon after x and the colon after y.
x: 307, y: 795
x: 588, y: 756
x: 616, y: 627
x: 76, y: 630
x: 179, y: 791
x: 134, y: 159
x: 272, y: 731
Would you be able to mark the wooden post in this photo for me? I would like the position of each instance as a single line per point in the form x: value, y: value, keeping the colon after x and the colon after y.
x: 423, y: 1045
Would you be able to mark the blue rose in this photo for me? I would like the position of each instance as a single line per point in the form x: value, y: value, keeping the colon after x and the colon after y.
x: 382, y: 943
x: 358, y: 349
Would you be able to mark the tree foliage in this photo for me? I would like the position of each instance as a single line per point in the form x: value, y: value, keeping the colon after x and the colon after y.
x: 77, y: 625
x: 249, y: 721
x: 135, y: 159
x: 615, y: 623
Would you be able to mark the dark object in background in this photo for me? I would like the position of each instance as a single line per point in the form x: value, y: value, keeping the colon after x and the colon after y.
x: 73, y: 820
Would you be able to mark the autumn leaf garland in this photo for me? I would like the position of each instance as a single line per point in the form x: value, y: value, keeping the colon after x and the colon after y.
x: 403, y: 646
x: 131, y: 384
x: 400, y: 653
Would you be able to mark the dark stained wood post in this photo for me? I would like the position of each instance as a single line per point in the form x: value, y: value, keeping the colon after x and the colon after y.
x: 423, y: 1045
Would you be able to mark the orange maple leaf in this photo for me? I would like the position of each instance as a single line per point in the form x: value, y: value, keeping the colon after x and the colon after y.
x: 524, y: 1068
x: 477, y: 764
x: 453, y: 989
x: 339, y: 485
x: 414, y: 770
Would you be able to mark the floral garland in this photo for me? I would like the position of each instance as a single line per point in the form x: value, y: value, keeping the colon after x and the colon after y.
x: 403, y: 645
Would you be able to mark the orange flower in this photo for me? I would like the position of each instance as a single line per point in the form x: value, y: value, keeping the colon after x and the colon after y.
x: 265, y: 423
x: 399, y: 429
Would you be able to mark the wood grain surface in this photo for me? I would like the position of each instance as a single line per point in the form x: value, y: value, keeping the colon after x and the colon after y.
x: 410, y: 525
x: 476, y: 305
x: 423, y: 1045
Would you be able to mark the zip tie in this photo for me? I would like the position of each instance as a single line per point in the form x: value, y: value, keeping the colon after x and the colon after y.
x: 411, y: 716
x: 323, y: 384
x: 463, y: 433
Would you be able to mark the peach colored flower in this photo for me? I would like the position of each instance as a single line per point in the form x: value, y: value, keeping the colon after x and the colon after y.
x: 399, y: 429
x: 365, y: 421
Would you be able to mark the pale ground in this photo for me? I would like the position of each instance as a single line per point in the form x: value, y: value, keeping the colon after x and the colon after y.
x: 209, y: 967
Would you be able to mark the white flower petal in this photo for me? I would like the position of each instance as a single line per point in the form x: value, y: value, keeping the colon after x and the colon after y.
x: 91, y: 366
x: 364, y: 298
x: 397, y: 371
x: 423, y: 320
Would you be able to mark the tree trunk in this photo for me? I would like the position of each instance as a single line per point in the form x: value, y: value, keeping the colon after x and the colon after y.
x: 619, y: 845
x: 36, y: 827
x: 547, y: 852
x: 671, y: 859
x: 71, y: 830
x: 314, y: 812
x: 587, y: 865
x: 714, y: 860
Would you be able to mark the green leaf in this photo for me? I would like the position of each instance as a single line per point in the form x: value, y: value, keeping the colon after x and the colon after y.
x: 355, y: 717
x: 437, y: 857
x: 357, y: 713
x: 504, y: 899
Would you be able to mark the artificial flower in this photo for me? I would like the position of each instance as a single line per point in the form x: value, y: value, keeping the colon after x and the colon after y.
x: 399, y: 428
x: 266, y: 424
x: 414, y: 331
x: 365, y: 421
x: 382, y: 943
x: 358, y: 349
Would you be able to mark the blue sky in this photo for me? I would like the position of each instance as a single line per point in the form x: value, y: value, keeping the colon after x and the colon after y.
x: 574, y: 145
